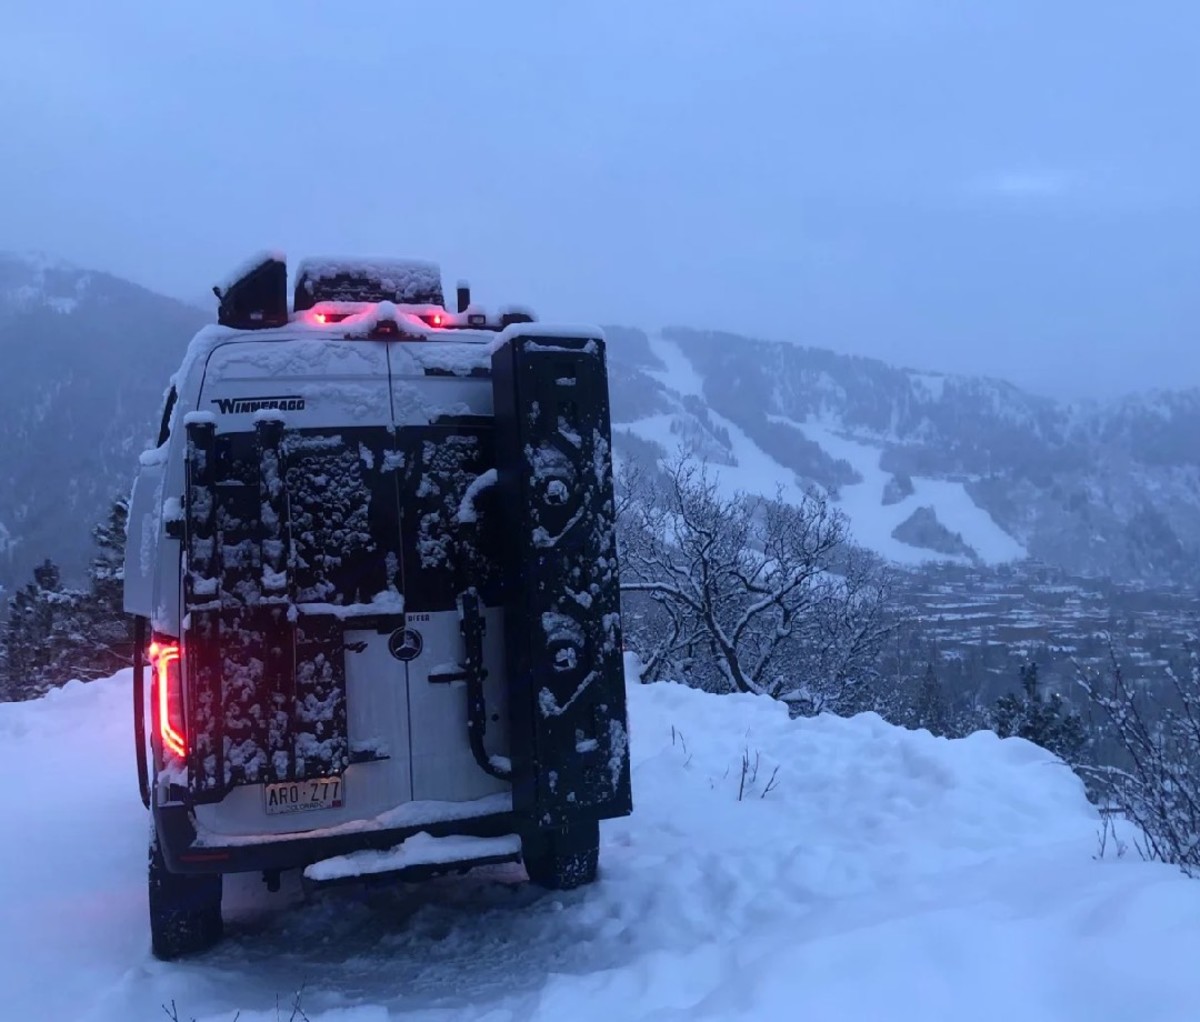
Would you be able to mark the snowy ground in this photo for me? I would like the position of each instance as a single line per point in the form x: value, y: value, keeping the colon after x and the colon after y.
x: 888, y: 875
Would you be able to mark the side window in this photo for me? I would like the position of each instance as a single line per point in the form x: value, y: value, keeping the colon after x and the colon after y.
x: 164, y: 429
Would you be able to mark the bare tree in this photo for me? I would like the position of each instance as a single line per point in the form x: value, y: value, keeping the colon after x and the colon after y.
x: 737, y: 592
x: 1158, y: 784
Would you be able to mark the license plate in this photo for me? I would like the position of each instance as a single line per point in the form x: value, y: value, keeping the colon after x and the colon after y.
x: 303, y: 796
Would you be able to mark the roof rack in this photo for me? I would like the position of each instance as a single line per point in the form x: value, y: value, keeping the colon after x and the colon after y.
x: 400, y: 281
x: 331, y: 290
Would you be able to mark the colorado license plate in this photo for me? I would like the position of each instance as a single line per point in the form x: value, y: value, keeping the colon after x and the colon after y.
x: 303, y: 796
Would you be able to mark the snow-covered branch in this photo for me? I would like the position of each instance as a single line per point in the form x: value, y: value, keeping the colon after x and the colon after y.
x: 745, y: 593
x: 1158, y: 787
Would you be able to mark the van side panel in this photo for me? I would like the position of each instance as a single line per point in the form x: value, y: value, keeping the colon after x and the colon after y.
x: 142, y: 532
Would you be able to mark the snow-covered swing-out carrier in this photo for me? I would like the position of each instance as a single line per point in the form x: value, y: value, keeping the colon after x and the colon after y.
x: 265, y: 611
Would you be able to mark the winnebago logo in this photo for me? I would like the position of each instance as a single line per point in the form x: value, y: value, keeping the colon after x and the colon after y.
x: 245, y: 405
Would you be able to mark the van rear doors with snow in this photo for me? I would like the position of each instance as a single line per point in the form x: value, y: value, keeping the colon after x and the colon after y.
x: 324, y: 558
x: 396, y: 557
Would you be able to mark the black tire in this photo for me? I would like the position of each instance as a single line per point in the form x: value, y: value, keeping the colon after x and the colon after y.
x: 562, y: 859
x: 185, y: 911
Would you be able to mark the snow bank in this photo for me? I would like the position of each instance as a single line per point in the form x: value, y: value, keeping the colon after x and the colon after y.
x: 885, y: 875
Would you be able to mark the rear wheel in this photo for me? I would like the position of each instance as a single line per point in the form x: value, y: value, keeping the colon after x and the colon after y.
x: 185, y: 911
x: 562, y: 858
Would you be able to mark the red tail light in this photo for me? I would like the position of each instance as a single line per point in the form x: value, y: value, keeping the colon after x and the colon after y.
x: 167, y: 660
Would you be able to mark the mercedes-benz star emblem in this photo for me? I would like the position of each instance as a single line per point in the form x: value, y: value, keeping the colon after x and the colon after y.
x: 405, y: 644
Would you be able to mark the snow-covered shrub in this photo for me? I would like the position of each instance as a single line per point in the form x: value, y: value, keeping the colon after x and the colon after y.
x: 55, y: 632
x: 1158, y: 784
x: 1045, y: 720
x: 731, y: 592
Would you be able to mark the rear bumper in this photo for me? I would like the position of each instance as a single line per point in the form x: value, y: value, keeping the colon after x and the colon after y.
x: 184, y: 854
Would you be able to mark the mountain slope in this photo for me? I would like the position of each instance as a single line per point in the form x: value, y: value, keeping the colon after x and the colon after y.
x: 886, y: 875
x: 928, y: 466
x: 992, y: 473
x: 84, y: 359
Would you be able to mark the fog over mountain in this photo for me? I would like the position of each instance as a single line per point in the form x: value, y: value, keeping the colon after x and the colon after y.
x: 928, y: 466
x: 1006, y: 189
x: 84, y: 361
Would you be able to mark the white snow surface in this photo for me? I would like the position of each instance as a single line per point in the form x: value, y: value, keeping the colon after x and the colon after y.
x: 419, y: 850
x: 466, y: 509
x: 390, y: 601
x: 406, y: 278
x: 872, y: 522
x: 251, y: 262
x: 548, y: 332
x: 888, y: 875
x: 680, y: 375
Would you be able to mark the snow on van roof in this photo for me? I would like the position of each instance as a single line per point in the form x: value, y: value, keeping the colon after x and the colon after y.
x: 453, y: 355
x: 457, y: 352
x: 548, y: 331
x: 406, y: 279
x: 206, y: 338
x: 371, y: 316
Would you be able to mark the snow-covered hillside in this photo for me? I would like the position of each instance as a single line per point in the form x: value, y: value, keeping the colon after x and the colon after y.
x: 885, y: 875
x: 36, y: 280
x: 926, y: 466
x: 84, y: 361
x: 876, y: 521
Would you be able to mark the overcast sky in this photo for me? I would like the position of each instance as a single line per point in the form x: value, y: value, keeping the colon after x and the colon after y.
x: 1009, y: 187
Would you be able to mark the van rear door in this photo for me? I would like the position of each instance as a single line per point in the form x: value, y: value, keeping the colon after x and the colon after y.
x: 293, y: 583
x: 451, y: 542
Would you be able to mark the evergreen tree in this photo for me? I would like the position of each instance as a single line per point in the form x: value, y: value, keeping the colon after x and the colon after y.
x: 110, y: 628
x: 1047, y: 722
x: 20, y: 649
x: 107, y: 573
x: 45, y: 634
x: 55, y: 633
x: 931, y: 709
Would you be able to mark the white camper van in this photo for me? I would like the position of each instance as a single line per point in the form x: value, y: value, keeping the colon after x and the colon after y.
x: 372, y: 564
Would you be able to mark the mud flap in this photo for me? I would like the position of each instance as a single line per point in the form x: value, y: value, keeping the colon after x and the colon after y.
x: 570, y: 750
x: 266, y: 686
